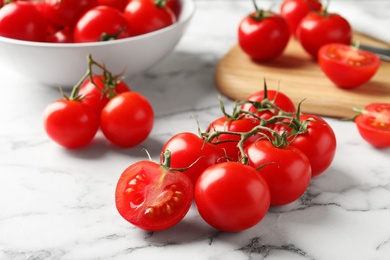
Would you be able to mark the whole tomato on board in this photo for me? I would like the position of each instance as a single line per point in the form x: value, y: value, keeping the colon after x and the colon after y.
x: 347, y: 66
x: 313, y: 136
x: 93, y: 25
x: 192, y: 152
x: 22, y: 21
x: 294, y: 11
x: 319, y: 28
x: 153, y: 197
x: 139, y: 12
x: 229, y: 141
x: 286, y: 170
x: 64, y: 13
x: 231, y: 196
x: 127, y: 119
x: 263, y: 35
x: 70, y: 123
x: 373, y: 124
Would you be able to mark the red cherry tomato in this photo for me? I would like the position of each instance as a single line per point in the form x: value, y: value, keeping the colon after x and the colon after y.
x: 139, y: 12
x: 118, y: 4
x: 175, y: 6
x: 127, y: 119
x: 152, y: 197
x: 294, y: 11
x: 263, y: 110
x: 22, y: 21
x: 227, y: 141
x: 263, y: 35
x: 70, y: 123
x: 347, y: 66
x: 101, y: 23
x: 316, y: 140
x: 97, y: 96
x: 319, y: 28
x: 64, y: 35
x: 188, y: 148
x: 286, y: 170
x: 231, y: 196
x: 65, y: 13
x: 373, y: 124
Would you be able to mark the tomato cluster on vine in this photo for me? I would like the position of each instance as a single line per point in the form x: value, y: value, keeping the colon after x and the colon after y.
x: 263, y: 154
x: 77, y: 21
x: 99, y: 101
x: 325, y: 36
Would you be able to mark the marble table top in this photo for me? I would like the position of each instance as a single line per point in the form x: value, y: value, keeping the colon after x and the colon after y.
x: 59, y: 204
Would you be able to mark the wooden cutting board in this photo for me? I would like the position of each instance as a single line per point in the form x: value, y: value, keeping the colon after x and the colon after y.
x: 297, y: 75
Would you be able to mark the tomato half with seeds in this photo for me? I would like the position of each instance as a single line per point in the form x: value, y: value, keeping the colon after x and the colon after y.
x: 231, y: 196
x: 347, y: 66
x: 374, y: 124
x: 152, y: 197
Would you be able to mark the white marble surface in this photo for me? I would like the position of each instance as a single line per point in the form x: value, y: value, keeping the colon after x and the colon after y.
x: 59, y: 204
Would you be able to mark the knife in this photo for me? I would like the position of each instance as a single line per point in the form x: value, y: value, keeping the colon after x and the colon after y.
x: 383, y: 53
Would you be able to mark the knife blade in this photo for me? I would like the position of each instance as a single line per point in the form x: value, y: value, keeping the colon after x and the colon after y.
x: 383, y: 53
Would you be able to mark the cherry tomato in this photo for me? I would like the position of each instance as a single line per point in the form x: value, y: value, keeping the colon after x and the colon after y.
x: 70, y: 123
x: 263, y: 35
x: 264, y: 110
x: 229, y: 141
x: 175, y: 6
x: 294, y: 11
x: 231, y: 196
x: 139, y: 12
x: 187, y: 148
x: 118, y: 4
x: 63, y: 35
x: 153, y: 197
x: 65, y: 13
x: 93, y: 26
x: 127, y: 119
x: 316, y: 139
x: 97, y: 96
x: 22, y: 21
x: 347, y: 66
x: 286, y: 170
x: 373, y: 124
x: 319, y: 28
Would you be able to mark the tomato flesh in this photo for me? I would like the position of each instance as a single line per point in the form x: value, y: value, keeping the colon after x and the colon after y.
x: 152, y: 197
x: 374, y: 124
x: 347, y: 66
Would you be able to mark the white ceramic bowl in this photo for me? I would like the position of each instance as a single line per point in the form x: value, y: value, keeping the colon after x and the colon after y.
x: 57, y: 64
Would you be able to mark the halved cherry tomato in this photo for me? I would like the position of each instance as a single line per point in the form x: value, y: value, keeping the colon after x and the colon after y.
x: 294, y: 11
x: 188, y: 149
x: 153, y: 197
x: 231, y: 196
x: 373, y: 124
x: 347, y: 66
x: 319, y: 28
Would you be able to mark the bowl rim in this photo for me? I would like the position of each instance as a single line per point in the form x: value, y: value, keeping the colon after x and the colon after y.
x: 190, y: 5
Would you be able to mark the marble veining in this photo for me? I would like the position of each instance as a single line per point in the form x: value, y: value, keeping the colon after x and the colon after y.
x: 58, y: 204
